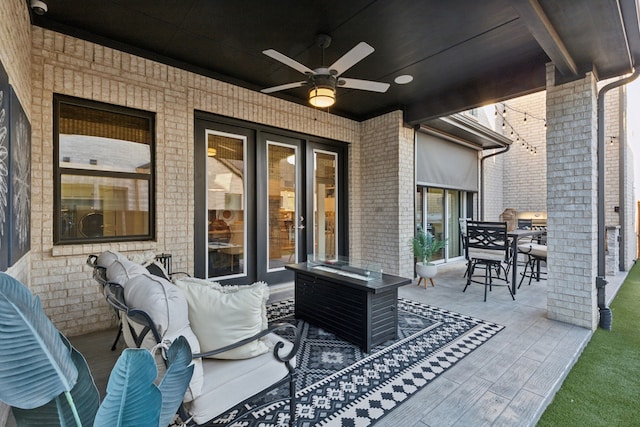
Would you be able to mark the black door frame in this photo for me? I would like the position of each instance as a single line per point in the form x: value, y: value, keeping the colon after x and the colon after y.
x: 256, y: 174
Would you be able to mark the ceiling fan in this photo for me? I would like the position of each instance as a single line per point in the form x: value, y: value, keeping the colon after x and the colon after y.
x: 324, y: 80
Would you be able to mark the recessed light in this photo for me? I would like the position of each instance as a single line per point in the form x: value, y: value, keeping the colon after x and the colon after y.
x: 403, y: 79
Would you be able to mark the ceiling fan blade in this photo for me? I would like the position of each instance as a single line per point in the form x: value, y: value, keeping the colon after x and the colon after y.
x: 363, y: 84
x: 283, y: 87
x: 351, y: 58
x: 288, y: 61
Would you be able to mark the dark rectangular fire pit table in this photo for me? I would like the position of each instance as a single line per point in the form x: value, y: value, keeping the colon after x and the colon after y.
x: 363, y: 312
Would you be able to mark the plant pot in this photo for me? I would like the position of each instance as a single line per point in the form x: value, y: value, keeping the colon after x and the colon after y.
x: 426, y: 271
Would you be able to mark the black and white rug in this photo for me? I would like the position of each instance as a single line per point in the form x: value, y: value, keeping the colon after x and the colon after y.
x: 340, y: 385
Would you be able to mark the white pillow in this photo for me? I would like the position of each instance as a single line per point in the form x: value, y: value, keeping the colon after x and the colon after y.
x: 167, y: 307
x: 121, y: 270
x: 223, y: 315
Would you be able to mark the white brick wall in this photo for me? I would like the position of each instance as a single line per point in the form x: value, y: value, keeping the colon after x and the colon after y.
x: 571, y: 200
x: 493, y: 184
x: 525, y: 173
x: 387, y: 193
x: 63, y: 64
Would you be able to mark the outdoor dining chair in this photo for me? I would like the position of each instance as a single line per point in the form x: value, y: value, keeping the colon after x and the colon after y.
x: 536, y: 252
x: 487, y: 247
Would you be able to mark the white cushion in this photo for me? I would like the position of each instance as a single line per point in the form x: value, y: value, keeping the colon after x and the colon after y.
x: 228, y: 382
x: 107, y: 257
x: 223, y: 315
x: 121, y: 270
x: 486, y: 254
x: 534, y: 249
x: 167, y: 307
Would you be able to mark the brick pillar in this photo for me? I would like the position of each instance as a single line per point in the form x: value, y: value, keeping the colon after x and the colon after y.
x: 572, y: 200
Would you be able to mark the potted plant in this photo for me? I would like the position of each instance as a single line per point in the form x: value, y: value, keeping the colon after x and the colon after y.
x: 424, y: 245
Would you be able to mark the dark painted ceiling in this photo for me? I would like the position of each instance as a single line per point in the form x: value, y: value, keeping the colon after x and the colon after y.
x: 461, y: 53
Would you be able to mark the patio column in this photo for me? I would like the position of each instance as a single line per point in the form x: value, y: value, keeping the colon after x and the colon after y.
x: 572, y: 200
x: 382, y: 210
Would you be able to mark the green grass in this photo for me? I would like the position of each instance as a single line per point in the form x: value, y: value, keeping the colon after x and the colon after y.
x: 603, y: 387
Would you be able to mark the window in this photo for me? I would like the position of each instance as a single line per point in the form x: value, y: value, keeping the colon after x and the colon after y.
x: 103, y: 172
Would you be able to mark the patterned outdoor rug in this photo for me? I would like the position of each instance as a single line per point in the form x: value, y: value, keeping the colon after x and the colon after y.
x: 340, y: 385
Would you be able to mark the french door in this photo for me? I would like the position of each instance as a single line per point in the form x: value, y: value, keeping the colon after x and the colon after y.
x: 264, y: 200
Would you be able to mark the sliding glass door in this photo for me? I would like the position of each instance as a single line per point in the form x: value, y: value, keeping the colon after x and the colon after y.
x: 438, y: 211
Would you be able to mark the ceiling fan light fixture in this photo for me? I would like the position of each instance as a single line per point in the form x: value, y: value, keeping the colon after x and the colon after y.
x: 322, y: 97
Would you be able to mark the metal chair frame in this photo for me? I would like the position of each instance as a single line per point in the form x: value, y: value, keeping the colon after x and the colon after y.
x: 488, y: 238
x: 114, y: 294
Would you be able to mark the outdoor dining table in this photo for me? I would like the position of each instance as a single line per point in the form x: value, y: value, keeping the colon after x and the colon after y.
x: 515, y: 235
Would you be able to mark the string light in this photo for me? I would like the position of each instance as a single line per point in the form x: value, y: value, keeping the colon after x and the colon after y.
x: 532, y: 149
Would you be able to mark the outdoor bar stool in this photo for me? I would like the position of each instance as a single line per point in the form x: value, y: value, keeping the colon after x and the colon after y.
x: 536, y: 254
x: 487, y: 247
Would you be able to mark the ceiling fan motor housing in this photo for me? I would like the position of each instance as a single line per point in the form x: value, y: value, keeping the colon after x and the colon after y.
x: 322, y: 79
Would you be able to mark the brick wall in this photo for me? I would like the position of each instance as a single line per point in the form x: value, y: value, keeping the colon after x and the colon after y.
x: 630, y: 248
x: 493, y: 183
x: 524, y: 171
x: 387, y: 193
x: 63, y: 64
x: 571, y: 200
x: 612, y: 156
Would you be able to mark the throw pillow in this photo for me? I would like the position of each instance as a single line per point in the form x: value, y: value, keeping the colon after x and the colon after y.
x: 166, y: 306
x: 223, y: 315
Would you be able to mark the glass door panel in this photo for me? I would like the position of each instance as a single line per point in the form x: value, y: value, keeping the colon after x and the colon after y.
x: 282, y: 211
x: 435, y: 217
x: 453, y: 213
x: 325, y: 188
x: 226, y: 201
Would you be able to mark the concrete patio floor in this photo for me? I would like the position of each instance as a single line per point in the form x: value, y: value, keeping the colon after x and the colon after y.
x: 508, y: 381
